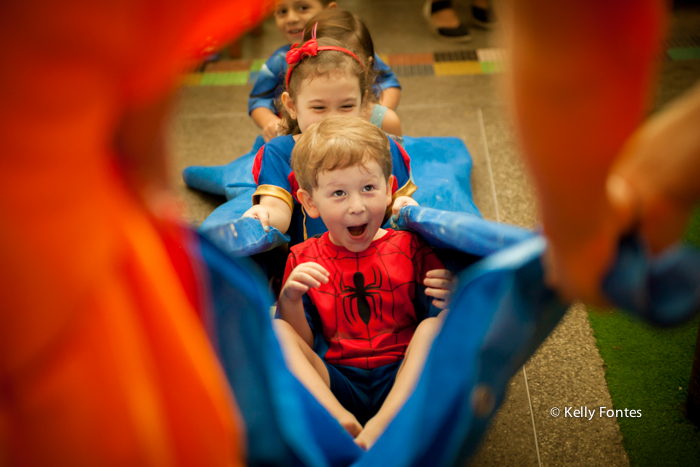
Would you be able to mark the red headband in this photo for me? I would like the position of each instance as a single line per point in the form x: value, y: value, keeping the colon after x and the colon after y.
x: 310, y: 48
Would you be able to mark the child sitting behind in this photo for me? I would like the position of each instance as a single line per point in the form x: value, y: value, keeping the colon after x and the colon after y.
x: 324, y: 79
x: 355, y: 321
x: 349, y: 29
x: 291, y: 16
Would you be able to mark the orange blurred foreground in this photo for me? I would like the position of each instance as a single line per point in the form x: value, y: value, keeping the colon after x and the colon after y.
x: 103, y: 360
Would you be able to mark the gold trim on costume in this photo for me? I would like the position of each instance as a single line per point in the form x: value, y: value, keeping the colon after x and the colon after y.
x: 277, y: 192
x: 303, y: 211
x: 407, y: 190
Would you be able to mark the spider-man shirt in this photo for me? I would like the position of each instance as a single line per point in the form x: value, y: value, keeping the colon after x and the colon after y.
x: 272, y: 172
x: 368, y: 311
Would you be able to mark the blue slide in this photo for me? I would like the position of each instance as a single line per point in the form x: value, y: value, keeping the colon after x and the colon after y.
x: 500, y: 315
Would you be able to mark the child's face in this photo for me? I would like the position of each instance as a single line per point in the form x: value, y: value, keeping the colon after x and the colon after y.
x: 352, y: 203
x: 292, y: 15
x: 325, y: 96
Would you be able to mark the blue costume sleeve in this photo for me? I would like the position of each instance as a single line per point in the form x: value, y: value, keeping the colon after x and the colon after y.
x: 271, y: 170
x: 401, y: 169
x: 385, y: 77
x: 270, y: 83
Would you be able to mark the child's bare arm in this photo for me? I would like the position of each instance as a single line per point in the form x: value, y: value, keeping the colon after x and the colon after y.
x: 391, y: 123
x: 390, y: 98
x: 267, y: 120
x: 440, y: 284
x: 271, y: 211
x: 290, y: 306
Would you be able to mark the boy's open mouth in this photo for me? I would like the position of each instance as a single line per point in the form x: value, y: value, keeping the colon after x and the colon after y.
x: 357, y: 230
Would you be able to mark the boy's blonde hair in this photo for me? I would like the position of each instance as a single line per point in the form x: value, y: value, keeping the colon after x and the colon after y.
x: 337, y: 143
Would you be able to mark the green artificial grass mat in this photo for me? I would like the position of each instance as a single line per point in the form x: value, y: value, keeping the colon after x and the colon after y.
x: 648, y: 369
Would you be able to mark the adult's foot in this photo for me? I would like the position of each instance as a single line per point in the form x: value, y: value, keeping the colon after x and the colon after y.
x: 444, y: 22
x: 482, y: 14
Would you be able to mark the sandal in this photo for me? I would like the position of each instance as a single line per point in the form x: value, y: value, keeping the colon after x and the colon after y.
x: 483, y: 17
x: 457, y: 34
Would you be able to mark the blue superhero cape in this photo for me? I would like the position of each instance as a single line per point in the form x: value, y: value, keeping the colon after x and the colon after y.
x: 441, y: 169
x: 500, y: 314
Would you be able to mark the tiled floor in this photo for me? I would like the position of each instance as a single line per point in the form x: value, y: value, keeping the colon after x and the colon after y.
x: 212, y: 127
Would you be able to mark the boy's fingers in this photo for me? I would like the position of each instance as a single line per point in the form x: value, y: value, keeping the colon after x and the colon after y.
x: 441, y: 304
x: 441, y: 294
x: 315, y: 274
x: 308, y: 279
x: 437, y: 283
x: 300, y: 286
x: 440, y: 273
x: 294, y: 290
x: 312, y: 277
x: 317, y: 267
x: 440, y: 284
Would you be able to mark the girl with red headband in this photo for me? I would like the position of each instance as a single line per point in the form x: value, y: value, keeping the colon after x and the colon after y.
x: 349, y: 29
x: 323, y: 79
x: 291, y: 16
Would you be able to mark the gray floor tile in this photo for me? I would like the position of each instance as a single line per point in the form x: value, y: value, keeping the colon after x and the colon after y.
x: 567, y: 371
x: 461, y: 122
x: 510, y: 439
x: 514, y: 194
x: 213, y: 139
x: 211, y: 101
x: 470, y: 90
x: 570, y: 351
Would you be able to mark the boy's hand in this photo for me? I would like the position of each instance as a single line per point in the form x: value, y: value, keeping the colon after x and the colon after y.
x: 261, y: 213
x: 440, y: 284
x: 402, y: 201
x: 301, y: 279
x: 271, y: 128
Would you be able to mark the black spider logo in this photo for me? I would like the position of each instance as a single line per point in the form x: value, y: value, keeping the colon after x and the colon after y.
x: 362, y: 293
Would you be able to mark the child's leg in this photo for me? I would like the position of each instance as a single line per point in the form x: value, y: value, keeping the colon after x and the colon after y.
x: 406, y: 379
x: 310, y: 370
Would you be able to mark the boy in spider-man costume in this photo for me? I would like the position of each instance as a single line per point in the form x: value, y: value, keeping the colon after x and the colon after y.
x: 355, y: 321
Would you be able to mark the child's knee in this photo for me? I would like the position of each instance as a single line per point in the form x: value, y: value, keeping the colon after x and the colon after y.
x: 284, y: 330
